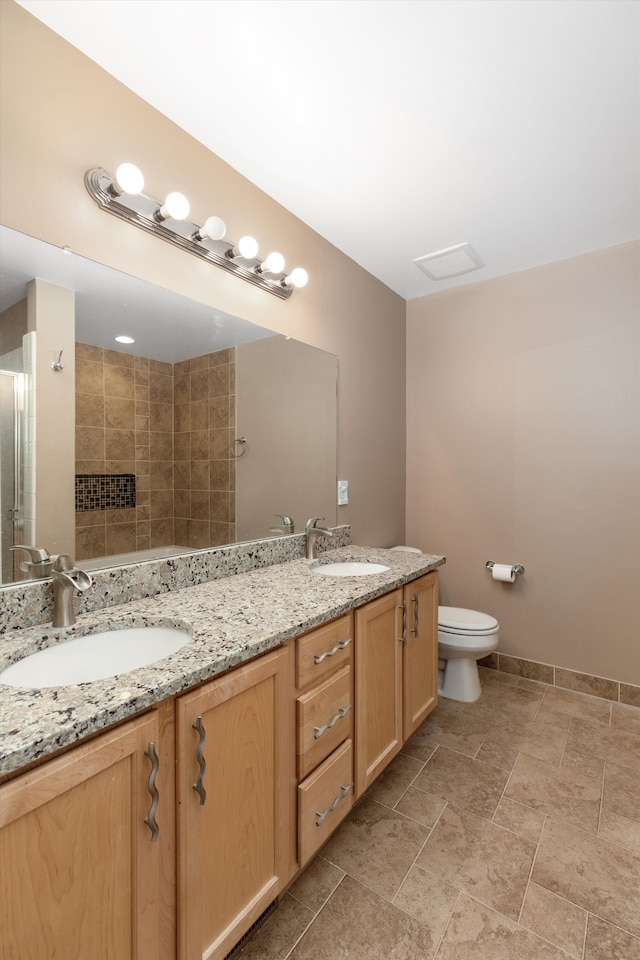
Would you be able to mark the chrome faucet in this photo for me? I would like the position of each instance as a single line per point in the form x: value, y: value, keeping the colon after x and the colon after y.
x: 66, y: 580
x: 313, y: 533
x: 39, y: 564
x: 285, y: 527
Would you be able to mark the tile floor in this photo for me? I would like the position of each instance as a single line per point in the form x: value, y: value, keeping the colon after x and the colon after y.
x: 507, y: 829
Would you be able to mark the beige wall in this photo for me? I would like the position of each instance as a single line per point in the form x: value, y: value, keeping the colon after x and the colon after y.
x: 62, y: 115
x: 523, y: 426
x: 13, y: 326
x: 286, y: 393
x: 51, y: 315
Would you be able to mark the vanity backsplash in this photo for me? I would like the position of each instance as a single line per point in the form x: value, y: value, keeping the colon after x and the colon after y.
x: 31, y: 603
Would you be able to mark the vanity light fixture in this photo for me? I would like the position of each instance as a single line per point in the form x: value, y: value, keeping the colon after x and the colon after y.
x: 175, y: 207
x: 297, y: 278
x: 212, y: 229
x: 122, y: 195
x: 128, y: 179
x: 246, y: 249
x: 274, y: 263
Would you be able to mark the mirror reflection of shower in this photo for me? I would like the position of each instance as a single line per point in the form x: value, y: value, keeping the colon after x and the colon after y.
x: 16, y: 458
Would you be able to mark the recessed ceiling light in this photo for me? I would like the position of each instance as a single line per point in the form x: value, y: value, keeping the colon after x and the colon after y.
x: 124, y: 339
x: 452, y: 262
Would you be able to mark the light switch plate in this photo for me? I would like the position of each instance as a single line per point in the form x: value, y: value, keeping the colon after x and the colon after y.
x: 343, y: 492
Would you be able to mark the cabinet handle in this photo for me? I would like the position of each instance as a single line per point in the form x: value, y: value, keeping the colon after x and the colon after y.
x: 319, y: 657
x: 150, y: 819
x: 403, y: 638
x: 414, y: 628
x: 325, y: 813
x: 198, y: 786
x: 342, y: 712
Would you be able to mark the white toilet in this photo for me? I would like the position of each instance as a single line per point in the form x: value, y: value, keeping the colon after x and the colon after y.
x: 464, y: 637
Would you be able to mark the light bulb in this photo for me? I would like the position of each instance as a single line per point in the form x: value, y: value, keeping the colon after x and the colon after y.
x: 124, y: 339
x: 213, y: 229
x: 247, y: 248
x: 129, y: 178
x: 297, y: 278
x: 175, y: 206
x: 274, y: 263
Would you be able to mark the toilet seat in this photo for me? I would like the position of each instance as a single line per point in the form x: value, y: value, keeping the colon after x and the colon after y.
x: 471, y: 623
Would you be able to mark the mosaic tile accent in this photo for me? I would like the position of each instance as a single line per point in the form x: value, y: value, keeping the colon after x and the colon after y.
x: 103, y: 491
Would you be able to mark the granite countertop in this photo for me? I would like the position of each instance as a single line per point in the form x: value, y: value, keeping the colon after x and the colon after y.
x: 230, y: 621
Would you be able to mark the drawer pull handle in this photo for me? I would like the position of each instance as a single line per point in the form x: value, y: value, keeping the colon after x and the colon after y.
x: 198, y: 786
x: 403, y: 638
x: 342, y: 712
x: 344, y: 791
x: 150, y: 820
x: 414, y: 628
x: 319, y: 657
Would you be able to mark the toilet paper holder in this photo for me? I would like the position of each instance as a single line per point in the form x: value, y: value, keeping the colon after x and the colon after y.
x: 516, y: 569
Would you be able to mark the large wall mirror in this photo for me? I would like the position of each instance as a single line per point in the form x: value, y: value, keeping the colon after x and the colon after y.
x: 204, y: 430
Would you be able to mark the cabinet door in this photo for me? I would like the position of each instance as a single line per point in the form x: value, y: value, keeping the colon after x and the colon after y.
x: 234, y: 744
x: 378, y: 685
x: 79, y: 873
x: 420, y: 655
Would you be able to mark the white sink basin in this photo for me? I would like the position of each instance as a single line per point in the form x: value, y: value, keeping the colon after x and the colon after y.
x: 95, y: 656
x: 350, y: 568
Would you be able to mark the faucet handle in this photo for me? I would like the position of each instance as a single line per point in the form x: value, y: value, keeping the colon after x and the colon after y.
x: 287, y: 525
x: 36, y: 554
x: 63, y: 563
x: 311, y: 522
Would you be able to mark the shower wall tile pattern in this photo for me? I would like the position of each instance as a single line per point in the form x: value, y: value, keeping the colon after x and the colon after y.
x: 204, y: 470
x: 170, y: 426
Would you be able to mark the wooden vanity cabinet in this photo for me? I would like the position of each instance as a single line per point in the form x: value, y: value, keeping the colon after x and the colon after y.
x: 80, y: 874
x: 396, y: 672
x: 233, y: 760
x: 242, y: 808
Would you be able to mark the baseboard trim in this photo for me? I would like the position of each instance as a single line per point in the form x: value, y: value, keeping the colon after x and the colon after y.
x: 602, y: 687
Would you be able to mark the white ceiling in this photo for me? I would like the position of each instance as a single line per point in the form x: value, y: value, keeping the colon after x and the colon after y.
x: 396, y: 128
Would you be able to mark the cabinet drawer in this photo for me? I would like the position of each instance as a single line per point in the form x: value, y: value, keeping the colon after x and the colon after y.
x: 325, y: 719
x: 324, y: 650
x: 324, y: 799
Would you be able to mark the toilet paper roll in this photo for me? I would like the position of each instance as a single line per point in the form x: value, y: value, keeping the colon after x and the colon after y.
x: 503, y: 572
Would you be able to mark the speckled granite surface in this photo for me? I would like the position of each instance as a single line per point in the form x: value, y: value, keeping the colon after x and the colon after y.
x: 32, y: 603
x: 231, y: 620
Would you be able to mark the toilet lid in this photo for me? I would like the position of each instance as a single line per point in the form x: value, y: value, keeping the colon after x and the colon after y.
x: 457, y: 618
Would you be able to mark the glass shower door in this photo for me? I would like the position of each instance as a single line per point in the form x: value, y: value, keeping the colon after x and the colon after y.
x: 11, y: 472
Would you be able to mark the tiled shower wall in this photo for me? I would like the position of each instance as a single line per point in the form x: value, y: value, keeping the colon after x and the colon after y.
x: 170, y: 425
x: 204, y: 471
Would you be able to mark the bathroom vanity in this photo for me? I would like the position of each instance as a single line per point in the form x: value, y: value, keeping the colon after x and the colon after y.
x: 186, y: 796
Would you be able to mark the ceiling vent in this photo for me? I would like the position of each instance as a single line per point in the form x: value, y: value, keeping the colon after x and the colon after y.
x: 452, y: 262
